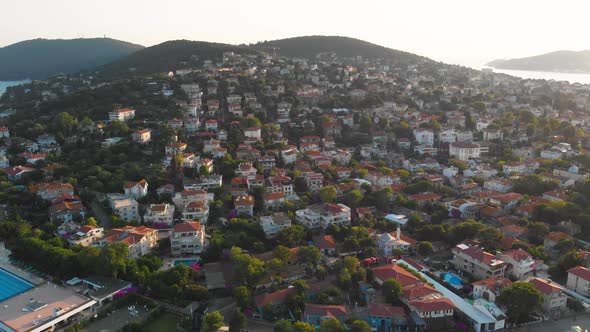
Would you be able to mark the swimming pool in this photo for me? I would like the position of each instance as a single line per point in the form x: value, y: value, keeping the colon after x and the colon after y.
x: 11, y: 285
x: 187, y: 262
x: 452, y: 279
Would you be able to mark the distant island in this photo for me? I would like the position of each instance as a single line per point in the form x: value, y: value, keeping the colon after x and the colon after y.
x: 560, y: 61
x: 43, y: 58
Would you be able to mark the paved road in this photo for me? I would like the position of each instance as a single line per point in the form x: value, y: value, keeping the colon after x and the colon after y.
x: 116, y: 320
x: 259, y: 326
x: 562, y: 325
x: 101, y: 216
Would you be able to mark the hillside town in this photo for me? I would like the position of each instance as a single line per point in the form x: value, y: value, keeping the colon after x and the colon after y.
x: 331, y: 193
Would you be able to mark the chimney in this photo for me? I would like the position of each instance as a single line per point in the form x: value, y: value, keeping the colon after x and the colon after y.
x: 398, y: 233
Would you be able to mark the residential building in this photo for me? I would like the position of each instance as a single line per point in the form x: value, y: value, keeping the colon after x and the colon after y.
x: 424, y: 136
x: 315, y: 314
x: 53, y: 190
x: 489, y: 288
x: 387, y: 318
x: 554, y: 300
x: 122, y: 114
x: 124, y: 207
x: 521, y: 264
x: 136, y: 190
x: 324, y: 215
x: 142, y: 136
x: 273, y: 200
x: 86, y: 236
x: 159, y: 214
x: 195, y: 210
x: 244, y: 204
x: 578, y: 280
x: 314, y: 181
x: 391, y: 243
x: 471, y: 259
x: 273, y: 224
x: 67, y: 211
x: 326, y: 244
x: 464, y: 150
x: 491, y: 134
x: 140, y: 240
x: 253, y: 133
x: 188, y: 238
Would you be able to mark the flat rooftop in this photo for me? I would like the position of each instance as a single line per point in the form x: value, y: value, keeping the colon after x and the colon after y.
x: 33, y: 309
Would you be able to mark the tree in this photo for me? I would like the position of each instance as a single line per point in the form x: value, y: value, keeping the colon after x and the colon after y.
x: 283, y: 325
x: 303, y: 327
x: 238, y: 321
x: 360, y: 326
x: 519, y: 299
x: 425, y: 248
x: 92, y: 222
x: 537, y: 231
x: 309, y: 255
x: 291, y: 236
x: 282, y: 253
x: 331, y: 325
x: 328, y: 194
x: 490, y: 237
x: 212, y: 321
x: 243, y: 296
x: 354, y: 198
x: 392, y: 290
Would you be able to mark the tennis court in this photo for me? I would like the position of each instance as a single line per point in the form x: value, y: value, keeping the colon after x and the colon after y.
x: 11, y: 285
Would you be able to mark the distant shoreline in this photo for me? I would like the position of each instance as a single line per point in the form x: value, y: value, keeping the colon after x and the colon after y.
x: 540, y: 70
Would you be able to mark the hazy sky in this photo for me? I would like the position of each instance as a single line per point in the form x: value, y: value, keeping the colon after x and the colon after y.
x: 456, y: 31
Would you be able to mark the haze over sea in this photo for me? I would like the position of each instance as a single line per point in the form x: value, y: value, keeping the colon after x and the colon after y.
x: 6, y: 84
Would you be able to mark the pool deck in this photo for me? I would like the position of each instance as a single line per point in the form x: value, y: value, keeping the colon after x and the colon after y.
x: 168, y: 262
x: 5, y: 264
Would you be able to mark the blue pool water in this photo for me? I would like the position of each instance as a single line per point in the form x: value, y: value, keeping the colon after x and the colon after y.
x: 187, y: 262
x: 452, y: 279
x: 11, y: 285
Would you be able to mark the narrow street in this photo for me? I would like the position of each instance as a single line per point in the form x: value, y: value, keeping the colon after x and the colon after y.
x: 101, y: 216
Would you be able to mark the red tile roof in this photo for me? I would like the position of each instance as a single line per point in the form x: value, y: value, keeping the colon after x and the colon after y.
x: 433, y: 305
x: 324, y: 310
x: 544, y: 286
x: 494, y: 284
x: 193, y: 226
x: 396, y: 272
x: 278, y: 297
x: 580, y: 272
x: 325, y: 242
x: 385, y: 310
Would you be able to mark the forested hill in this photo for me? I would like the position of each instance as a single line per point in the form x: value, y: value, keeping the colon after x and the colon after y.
x: 309, y: 46
x: 42, y: 58
x: 560, y: 61
x: 170, y: 55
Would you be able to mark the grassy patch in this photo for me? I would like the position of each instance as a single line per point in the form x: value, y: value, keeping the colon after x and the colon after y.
x: 166, y: 322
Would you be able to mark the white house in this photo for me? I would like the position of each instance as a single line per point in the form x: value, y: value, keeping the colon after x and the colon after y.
x: 244, y: 204
x: 188, y: 238
x: 324, y: 215
x: 124, y: 207
x: 424, y: 136
x: 464, y: 150
x: 142, y: 136
x: 253, y: 133
x: 275, y: 223
x: 389, y: 243
x: 136, y: 190
x: 159, y: 213
x: 578, y: 280
x: 490, y: 134
x: 520, y: 263
x: 122, y: 114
